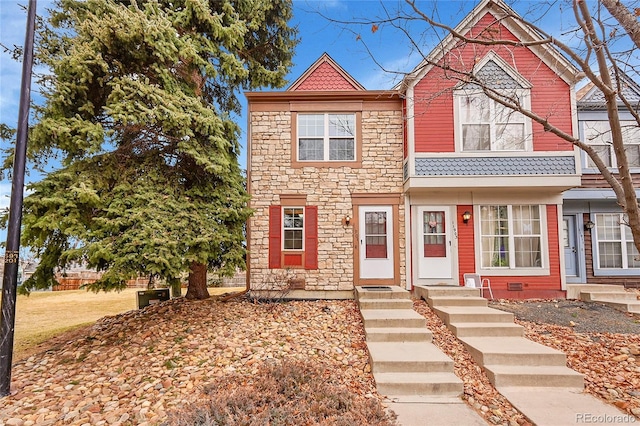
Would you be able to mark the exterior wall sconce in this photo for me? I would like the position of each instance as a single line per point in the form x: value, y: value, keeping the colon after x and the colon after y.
x: 589, y: 226
x: 466, y: 216
x: 346, y: 220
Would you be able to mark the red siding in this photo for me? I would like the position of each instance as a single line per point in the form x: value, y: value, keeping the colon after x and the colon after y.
x: 550, y: 96
x: 533, y: 286
x: 275, y: 239
x: 311, y: 237
x: 466, y: 244
x: 405, y: 146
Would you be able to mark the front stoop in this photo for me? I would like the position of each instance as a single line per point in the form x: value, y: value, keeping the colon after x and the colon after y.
x: 531, y: 376
x: 615, y: 296
x: 404, y: 362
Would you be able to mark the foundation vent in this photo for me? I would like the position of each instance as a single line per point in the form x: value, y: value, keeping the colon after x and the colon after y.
x: 514, y: 286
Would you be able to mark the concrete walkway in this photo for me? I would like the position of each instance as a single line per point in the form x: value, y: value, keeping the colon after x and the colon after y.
x: 533, y: 377
x: 416, y: 377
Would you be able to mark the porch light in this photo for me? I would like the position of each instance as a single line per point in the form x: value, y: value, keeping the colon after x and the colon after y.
x: 466, y: 216
x: 589, y: 226
x: 346, y: 220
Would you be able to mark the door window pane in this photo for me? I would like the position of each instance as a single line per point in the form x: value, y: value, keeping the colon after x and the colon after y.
x: 375, y: 235
x: 434, y: 236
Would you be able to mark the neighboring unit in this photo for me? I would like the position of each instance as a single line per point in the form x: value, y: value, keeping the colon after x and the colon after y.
x: 598, y: 245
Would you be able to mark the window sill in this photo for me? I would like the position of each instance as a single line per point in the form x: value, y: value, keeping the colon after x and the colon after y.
x: 515, y: 272
x: 326, y: 164
x: 616, y: 272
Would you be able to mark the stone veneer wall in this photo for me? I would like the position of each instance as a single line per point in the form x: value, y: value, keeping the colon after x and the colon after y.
x: 328, y: 188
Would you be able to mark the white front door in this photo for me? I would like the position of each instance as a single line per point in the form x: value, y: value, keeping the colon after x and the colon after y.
x: 376, y: 241
x: 434, y: 242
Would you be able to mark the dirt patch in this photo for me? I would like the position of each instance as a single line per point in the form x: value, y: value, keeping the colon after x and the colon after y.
x: 583, y: 317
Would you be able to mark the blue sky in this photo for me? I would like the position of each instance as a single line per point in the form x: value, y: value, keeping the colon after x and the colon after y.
x: 317, y: 35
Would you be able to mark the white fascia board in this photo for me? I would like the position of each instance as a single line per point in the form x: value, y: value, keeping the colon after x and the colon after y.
x: 524, y: 182
x: 592, y: 194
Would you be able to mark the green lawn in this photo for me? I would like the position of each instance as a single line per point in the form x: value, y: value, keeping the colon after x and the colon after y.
x: 43, y: 315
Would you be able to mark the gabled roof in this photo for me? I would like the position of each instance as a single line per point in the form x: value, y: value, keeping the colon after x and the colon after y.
x: 325, y: 75
x: 590, y: 97
x: 501, y: 11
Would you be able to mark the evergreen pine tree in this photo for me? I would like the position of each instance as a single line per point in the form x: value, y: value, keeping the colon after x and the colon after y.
x: 139, y: 111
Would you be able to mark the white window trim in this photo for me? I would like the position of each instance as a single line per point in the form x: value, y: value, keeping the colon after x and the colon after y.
x: 614, y: 161
x: 512, y: 269
x: 595, y: 248
x: 283, y: 228
x: 458, y: 94
x: 327, y: 138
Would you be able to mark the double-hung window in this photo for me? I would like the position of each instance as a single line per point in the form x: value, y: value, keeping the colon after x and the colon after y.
x: 293, y: 228
x: 486, y: 125
x: 326, y: 137
x: 598, y: 135
x: 511, y: 237
x: 615, y: 248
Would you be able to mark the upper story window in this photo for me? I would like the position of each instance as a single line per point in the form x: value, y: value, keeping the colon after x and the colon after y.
x: 483, y: 124
x: 487, y: 125
x: 597, y: 133
x: 327, y: 137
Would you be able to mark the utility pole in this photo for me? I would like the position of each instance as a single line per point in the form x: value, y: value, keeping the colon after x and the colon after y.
x: 12, y: 254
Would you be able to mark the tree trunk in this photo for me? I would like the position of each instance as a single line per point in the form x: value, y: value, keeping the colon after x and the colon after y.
x: 628, y: 20
x: 197, y: 289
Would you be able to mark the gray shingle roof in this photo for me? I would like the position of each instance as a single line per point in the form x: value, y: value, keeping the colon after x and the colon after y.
x: 590, y: 97
x: 495, y: 166
x: 493, y: 76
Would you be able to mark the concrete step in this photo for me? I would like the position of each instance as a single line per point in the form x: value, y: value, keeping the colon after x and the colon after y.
x: 425, y: 292
x: 398, y: 334
x: 633, y: 307
x: 596, y: 296
x: 425, y: 384
x: 392, y: 318
x: 516, y: 351
x: 522, y: 375
x: 460, y: 314
x: 476, y: 329
x: 381, y: 292
x: 385, y: 304
x: 435, y: 301
x: 574, y: 290
x: 410, y: 357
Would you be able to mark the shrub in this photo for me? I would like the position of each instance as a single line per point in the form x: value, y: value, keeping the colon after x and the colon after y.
x: 282, y: 393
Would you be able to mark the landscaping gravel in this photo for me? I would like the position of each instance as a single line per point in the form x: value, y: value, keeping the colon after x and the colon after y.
x: 137, y: 367
x: 583, y: 317
x: 133, y: 368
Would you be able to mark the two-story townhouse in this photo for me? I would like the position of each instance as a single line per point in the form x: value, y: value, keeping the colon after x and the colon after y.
x: 419, y: 185
x: 598, y: 246
x: 325, y: 178
x: 483, y: 184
